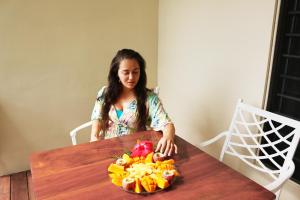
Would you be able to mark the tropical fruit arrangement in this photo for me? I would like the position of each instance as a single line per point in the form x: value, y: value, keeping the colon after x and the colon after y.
x: 143, y: 170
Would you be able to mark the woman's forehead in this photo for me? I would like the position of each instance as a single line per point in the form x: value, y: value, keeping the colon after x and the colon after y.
x: 129, y: 64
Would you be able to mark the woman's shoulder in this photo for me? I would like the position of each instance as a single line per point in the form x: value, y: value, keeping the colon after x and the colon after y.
x: 152, y: 96
x: 151, y: 93
x: 101, y: 93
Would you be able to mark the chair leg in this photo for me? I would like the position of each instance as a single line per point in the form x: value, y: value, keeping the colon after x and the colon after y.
x: 277, y: 194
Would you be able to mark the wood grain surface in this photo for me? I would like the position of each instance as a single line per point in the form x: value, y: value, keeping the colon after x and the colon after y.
x: 5, y: 187
x: 30, y: 187
x: 16, y: 186
x: 19, y: 189
x: 80, y: 172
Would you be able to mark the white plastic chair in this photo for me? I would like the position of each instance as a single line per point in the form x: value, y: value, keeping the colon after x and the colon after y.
x: 74, y: 132
x: 249, y: 127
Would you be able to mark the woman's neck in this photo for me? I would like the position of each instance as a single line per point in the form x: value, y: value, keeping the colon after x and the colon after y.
x: 127, y: 93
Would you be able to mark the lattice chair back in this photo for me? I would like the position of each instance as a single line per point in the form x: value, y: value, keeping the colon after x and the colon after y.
x: 263, y: 140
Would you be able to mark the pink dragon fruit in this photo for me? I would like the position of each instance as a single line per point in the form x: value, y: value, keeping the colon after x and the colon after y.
x: 142, y: 148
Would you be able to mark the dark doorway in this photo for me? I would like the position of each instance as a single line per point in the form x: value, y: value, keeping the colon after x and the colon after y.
x: 284, y: 93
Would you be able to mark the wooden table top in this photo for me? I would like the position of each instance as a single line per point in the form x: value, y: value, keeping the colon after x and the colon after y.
x: 80, y: 172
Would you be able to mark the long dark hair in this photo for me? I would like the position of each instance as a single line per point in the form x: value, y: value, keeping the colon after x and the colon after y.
x: 114, y: 88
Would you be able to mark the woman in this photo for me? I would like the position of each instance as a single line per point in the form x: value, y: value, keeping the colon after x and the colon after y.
x: 126, y: 105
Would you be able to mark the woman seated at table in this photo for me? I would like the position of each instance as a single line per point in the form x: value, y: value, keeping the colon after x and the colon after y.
x: 126, y: 106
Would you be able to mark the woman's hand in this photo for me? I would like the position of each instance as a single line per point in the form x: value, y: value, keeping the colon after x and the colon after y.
x: 95, y: 133
x: 166, y: 144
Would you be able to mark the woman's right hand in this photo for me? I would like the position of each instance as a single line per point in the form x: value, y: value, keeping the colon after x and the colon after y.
x: 95, y: 133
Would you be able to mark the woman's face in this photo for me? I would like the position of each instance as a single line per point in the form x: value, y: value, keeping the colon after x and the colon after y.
x: 129, y: 73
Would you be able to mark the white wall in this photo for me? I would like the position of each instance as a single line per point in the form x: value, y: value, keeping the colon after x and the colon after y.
x: 54, y: 57
x: 210, y: 53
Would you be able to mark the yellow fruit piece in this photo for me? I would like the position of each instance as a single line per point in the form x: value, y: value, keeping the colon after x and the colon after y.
x: 170, y: 162
x: 135, y: 159
x: 154, y: 176
x: 149, y: 158
x: 118, y: 175
x: 112, y: 175
x: 127, y: 158
x: 114, y: 168
x: 148, y: 183
x: 117, y: 181
x: 138, y: 187
x: 165, y: 167
x: 158, y: 163
x: 159, y: 173
x: 162, y: 183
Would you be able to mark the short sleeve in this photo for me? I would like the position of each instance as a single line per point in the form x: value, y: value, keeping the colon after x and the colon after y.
x: 158, y: 116
x: 96, y: 114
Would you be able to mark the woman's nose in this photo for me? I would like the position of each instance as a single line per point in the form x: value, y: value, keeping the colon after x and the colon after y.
x: 130, y: 76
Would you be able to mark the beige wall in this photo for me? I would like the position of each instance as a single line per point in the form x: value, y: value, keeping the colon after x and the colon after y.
x: 54, y: 56
x: 210, y: 53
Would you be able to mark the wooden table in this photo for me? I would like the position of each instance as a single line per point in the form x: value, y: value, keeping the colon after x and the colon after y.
x: 80, y: 172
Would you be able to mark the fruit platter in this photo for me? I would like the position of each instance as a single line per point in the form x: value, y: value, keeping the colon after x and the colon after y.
x: 143, y: 171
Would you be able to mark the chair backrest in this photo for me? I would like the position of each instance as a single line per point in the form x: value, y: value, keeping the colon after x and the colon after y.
x: 262, y: 139
x: 74, y: 132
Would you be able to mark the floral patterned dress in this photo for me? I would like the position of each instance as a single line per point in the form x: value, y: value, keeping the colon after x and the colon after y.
x: 126, y: 124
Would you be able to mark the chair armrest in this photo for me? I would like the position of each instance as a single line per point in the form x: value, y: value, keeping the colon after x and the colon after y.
x: 74, y: 131
x: 212, y: 140
x: 277, y: 184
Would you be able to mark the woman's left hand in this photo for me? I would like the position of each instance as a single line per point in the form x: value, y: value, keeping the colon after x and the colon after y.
x: 166, y: 144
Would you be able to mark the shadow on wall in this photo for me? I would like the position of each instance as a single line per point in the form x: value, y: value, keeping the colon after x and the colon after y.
x: 13, y: 144
x: 215, y: 118
x: 207, y: 129
x: 25, y: 132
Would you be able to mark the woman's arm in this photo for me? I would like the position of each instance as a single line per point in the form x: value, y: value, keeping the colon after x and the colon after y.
x: 96, y: 116
x: 95, y: 133
x: 160, y: 121
x: 166, y: 144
